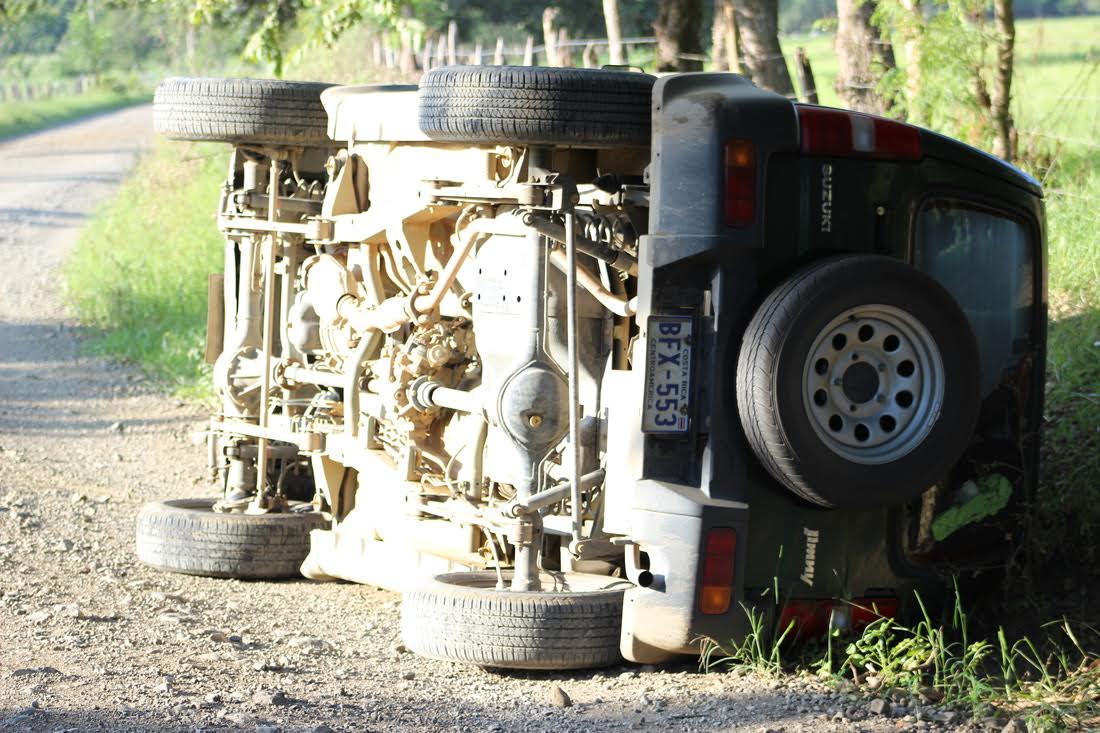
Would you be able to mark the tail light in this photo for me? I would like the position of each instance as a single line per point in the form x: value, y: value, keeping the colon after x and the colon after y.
x: 740, y: 174
x: 840, y: 133
x: 716, y: 593
x: 814, y: 618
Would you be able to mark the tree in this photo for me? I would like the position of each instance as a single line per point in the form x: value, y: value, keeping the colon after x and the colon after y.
x: 758, y: 24
x: 678, y: 27
x: 863, y: 55
x: 725, y: 44
x: 1004, y: 133
x: 614, y: 31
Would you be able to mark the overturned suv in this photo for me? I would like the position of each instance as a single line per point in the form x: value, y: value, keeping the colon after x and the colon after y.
x: 587, y: 363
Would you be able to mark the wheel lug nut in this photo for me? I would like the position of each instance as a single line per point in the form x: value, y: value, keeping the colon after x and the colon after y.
x: 880, y: 399
x: 882, y: 367
x: 837, y: 382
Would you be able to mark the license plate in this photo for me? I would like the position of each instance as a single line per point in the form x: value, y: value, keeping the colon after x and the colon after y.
x: 668, y: 375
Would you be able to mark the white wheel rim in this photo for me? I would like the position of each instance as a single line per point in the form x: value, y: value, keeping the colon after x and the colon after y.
x: 873, y: 384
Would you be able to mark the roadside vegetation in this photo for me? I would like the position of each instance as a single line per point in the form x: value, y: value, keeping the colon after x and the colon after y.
x: 18, y: 118
x: 936, y: 669
x: 138, y: 276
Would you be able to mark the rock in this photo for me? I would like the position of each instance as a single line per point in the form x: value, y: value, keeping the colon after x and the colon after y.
x: 1015, y: 726
x: 898, y: 711
x: 321, y: 729
x: 69, y: 610
x: 117, y: 427
x: 408, y: 675
x: 559, y: 698
x: 165, y: 687
x: 270, y: 697
x: 267, y: 728
x: 878, y: 706
x: 39, y: 617
x: 931, y: 694
x: 213, y: 698
x: 943, y: 716
x: 64, y: 545
x: 398, y: 649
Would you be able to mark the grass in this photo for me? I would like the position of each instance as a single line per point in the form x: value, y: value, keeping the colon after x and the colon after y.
x: 138, y: 274
x: 1050, y: 685
x: 18, y: 118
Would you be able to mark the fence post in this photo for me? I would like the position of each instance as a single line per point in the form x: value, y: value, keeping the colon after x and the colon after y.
x: 452, y: 39
x: 476, y: 58
x: 549, y: 15
x: 529, y: 51
x: 429, y: 49
x: 564, y: 50
x: 498, y: 54
x: 805, y: 76
x: 588, y: 56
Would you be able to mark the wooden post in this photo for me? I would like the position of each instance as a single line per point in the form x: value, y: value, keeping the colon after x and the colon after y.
x: 563, y: 49
x: 549, y: 35
x: 452, y: 39
x: 429, y: 48
x: 589, y: 59
x: 498, y: 55
x: 441, y: 52
x: 529, y: 51
x: 806, y: 84
x: 475, y: 59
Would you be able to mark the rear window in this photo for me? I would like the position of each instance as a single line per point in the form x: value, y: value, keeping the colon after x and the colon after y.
x: 986, y: 260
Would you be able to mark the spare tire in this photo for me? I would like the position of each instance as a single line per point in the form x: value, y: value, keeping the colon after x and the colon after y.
x: 573, y: 623
x: 858, y: 382
x: 527, y: 105
x: 187, y: 536
x: 242, y: 111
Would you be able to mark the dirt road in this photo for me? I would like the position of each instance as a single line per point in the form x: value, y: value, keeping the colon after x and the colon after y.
x: 90, y: 640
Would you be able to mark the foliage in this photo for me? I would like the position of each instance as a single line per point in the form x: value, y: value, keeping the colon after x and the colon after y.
x: 138, y: 275
x: 1052, y: 683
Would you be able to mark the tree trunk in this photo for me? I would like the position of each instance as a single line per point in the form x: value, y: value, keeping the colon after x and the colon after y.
x: 1003, y: 132
x: 911, y: 33
x: 550, y: 35
x: 614, y: 31
x: 758, y: 24
x: 726, y: 52
x: 529, y: 51
x: 864, y: 56
x: 678, y: 29
x: 589, y: 58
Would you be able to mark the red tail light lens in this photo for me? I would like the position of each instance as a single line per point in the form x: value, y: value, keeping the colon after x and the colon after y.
x: 812, y: 618
x: 740, y: 203
x: 716, y: 593
x: 840, y: 133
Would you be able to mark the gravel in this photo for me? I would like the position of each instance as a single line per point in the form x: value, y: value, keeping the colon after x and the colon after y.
x: 91, y: 640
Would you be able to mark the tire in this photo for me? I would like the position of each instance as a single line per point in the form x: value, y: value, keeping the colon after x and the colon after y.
x: 248, y: 111
x: 187, y: 536
x: 803, y: 392
x: 462, y: 617
x: 536, y: 106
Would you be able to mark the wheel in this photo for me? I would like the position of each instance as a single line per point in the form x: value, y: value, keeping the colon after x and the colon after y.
x: 858, y: 382
x: 187, y: 536
x: 249, y: 111
x: 573, y: 623
x: 536, y: 106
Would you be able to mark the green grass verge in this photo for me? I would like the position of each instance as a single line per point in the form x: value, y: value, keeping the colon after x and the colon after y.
x: 18, y: 118
x: 138, y: 274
